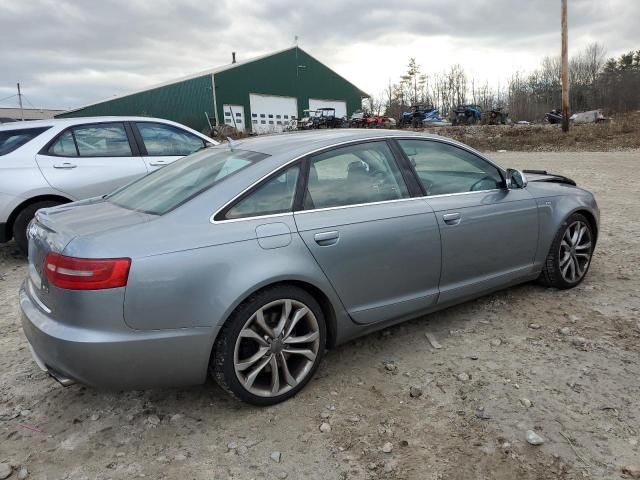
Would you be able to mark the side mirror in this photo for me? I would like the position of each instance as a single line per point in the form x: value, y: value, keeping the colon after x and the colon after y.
x: 515, y: 179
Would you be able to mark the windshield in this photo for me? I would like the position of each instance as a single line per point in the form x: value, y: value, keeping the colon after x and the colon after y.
x: 173, y: 185
x: 13, y: 139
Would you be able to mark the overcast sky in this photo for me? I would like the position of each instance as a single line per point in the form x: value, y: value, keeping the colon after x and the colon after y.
x: 66, y: 53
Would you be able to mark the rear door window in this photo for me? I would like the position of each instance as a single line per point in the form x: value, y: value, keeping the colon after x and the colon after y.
x: 94, y: 140
x: 167, y: 140
x: 64, y: 146
x: 11, y: 140
x: 356, y: 174
x: 103, y: 140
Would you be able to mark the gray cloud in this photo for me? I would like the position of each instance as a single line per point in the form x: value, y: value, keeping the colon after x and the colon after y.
x: 70, y: 52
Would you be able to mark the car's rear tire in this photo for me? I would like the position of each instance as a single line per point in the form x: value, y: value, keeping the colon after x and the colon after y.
x: 271, y: 346
x: 570, y: 254
x: 22, y: 220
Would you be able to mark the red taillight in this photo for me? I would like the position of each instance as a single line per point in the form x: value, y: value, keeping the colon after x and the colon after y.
x: 86, y: 273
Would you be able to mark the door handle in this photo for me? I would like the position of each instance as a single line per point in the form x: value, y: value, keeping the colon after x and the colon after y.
x: 158, y: 163
x: 325, y: 239
x: 451, y: 218
x: 65, y: 165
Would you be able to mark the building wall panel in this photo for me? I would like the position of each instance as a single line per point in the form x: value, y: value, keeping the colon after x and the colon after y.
x: 185, y: 102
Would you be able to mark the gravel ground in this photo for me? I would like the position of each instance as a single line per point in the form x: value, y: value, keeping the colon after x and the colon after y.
x: 562, y: 364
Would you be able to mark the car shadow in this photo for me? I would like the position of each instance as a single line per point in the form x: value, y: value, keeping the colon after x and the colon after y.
x: 196, y: 403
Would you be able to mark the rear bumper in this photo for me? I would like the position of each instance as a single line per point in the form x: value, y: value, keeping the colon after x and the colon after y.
x: 119, y: 360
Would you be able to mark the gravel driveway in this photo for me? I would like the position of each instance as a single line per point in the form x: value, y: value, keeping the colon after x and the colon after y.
x: 562, y: 364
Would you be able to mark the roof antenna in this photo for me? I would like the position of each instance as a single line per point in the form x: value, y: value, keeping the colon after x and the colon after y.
x: 232, y: 143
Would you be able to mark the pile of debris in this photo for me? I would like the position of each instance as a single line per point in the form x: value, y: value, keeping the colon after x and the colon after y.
x: 591, y: 116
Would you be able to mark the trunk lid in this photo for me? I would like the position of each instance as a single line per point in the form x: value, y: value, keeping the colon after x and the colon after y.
x: 54, y: 228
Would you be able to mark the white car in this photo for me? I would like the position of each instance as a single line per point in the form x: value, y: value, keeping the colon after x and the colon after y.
x: 50, y: 162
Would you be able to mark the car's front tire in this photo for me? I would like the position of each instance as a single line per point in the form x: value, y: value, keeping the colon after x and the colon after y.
x: 271, y: 346
x: 570, y: 255
x: 22, y: 220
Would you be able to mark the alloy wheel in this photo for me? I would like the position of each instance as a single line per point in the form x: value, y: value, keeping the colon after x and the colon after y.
x: 575, y: 251
x: 276, y: 348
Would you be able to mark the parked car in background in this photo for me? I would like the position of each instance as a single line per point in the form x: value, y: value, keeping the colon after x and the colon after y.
x: 466, y: 115
x: 416, y: 115
x: 310, y: 120
x: 328, y: 119
x: 248, y: 260
x: 44, y: 163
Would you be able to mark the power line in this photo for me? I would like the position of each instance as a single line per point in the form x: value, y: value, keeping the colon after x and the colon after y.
x: 29, y: 102
x: 7, y: 98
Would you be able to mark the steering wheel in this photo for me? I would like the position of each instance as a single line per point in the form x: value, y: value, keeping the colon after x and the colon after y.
x: 486, y: 177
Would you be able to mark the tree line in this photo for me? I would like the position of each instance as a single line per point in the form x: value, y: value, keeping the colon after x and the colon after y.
x: 595, y: 82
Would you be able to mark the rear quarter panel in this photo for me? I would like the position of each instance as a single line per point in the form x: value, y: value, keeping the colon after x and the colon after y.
x: 201, y: 286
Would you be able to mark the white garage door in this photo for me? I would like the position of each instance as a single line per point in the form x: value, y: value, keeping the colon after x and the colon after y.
x: 234, y: 116
x: 271, y: 113
x: 339, y: 105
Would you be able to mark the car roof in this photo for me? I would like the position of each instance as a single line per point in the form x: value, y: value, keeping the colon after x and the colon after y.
x: 299, y: 143
x: 64, y: 122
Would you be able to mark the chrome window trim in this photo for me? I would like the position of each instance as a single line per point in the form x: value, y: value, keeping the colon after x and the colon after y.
x: 423, y: 198
x: 348, y: 142
x: 313, y: 210
x: 464, y: 193
x: 256, y: 217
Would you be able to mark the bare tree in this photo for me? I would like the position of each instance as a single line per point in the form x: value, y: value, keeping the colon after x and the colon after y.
x: 594, y: 83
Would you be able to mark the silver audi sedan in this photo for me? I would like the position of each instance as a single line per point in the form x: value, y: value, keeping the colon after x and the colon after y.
x: 247, y: 260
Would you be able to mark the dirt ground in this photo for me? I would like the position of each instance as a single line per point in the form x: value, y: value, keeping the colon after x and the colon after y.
x: 619, y: 134
x: 579, y: 369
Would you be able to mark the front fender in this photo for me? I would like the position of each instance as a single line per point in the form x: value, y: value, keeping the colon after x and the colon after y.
x: 552, y: 213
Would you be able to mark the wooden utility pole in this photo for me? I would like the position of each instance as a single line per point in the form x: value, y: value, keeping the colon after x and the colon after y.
x: 565, y: 69
x: 20, y: 102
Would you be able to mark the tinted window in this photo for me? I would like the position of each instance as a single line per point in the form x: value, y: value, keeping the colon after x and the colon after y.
x: 64, y: 146
x: 102, y: 140
x: 171, y: 186
x: 275, y: 196
x: 168, y: 140
x: 13, y: 139
x: 355, y: 174
x: 444, y: 168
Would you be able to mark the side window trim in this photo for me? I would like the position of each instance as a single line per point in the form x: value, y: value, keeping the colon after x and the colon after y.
x: 138, y: 139
x: 406, y: 169
x: 301, y: 188
x: 221, y: 216
x: 127, y: 128
x: 133, y: 143
x: 415, y: 176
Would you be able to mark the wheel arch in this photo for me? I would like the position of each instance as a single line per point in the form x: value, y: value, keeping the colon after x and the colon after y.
x: 321, y: 297
x: 39, y: 198
x: 591, y: 218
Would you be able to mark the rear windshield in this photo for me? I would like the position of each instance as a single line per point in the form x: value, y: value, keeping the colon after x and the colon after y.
x: 173, y: 185
x: 12, y: 139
